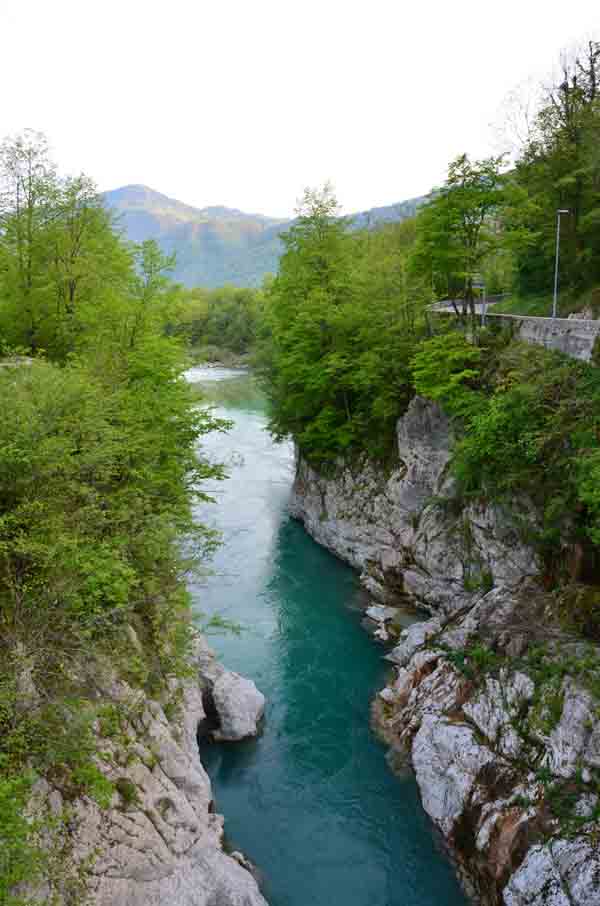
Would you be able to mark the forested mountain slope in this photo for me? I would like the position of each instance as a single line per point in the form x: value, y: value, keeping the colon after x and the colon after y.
x: 216, y: 245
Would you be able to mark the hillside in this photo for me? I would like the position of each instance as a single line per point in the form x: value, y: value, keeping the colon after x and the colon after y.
x: 216, y: 245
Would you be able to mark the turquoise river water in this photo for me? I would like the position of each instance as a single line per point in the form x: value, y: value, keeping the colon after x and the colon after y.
x: 312, y: 801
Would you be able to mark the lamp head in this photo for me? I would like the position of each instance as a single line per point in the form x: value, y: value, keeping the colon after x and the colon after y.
x: 563, y: 211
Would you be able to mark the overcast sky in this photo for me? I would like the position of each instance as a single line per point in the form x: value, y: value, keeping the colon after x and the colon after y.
x: 245, y: 102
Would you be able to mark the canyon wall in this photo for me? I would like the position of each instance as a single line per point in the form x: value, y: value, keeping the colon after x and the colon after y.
x: 489, y: 700
x: 160, y: 840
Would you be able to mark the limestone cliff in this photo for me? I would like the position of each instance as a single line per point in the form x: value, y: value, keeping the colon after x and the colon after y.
x: 494, y: 709
x: 401, y: 529
x: 490, y: 701
x: 160, y: 841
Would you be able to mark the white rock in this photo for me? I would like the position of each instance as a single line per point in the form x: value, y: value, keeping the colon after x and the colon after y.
x: 447, y: 760
x: 494, y: 709
x: 160, y: 841
x: 239, y: 705
x: 381, y: 614
x: 387, y: 694
x: 411, y: 639
x: 567, y: 741
x: 564, y: 873
x: 403, y: 543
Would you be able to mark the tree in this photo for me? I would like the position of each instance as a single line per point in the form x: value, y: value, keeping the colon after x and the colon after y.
x: 559, y: 167
x: 59, y: 251
x: 446, y: 369
x: 27, y: 191
x: 456, y: 229
x: 98, y: 470
x: 151, y: 288
x: 337, y: 336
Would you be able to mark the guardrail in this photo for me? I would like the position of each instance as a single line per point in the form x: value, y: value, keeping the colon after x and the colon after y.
x: 575, y: 337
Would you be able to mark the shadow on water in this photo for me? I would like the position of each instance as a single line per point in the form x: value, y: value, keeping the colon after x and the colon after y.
x: 311, y: 801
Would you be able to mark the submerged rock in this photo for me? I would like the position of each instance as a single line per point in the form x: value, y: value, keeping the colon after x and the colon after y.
x: 383, y: 622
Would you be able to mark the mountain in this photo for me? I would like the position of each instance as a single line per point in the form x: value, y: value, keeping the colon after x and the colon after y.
x: 217, y: 245
x: 214, y: 245
x: 391, y: 213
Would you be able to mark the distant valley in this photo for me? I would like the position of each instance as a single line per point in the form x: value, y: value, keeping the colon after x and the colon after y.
x: 217, y: 245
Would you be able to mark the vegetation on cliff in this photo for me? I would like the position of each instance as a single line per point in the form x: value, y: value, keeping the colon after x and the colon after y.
x: 347, y: 337
x: 97, y: 469
x: 528, y: 424
x: 341, y: 320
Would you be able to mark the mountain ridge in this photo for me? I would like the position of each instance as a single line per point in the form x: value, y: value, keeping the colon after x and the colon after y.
x: 216, y: 244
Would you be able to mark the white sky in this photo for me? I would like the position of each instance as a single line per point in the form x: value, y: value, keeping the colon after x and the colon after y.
x: 246, y: 102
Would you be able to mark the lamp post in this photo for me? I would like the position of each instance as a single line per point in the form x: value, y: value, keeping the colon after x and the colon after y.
x: 555, y: 301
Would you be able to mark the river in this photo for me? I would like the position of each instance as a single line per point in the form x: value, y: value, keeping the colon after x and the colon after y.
x: 312, y: 801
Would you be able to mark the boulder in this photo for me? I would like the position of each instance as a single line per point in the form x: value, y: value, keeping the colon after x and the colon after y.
x: 239, y: 706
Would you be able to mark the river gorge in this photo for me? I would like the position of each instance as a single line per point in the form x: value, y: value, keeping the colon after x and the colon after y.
x: 312, y: 801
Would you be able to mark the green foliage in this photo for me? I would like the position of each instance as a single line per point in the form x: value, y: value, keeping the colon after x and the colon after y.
x: 588, y: 487
x: 456, y: 230
x: 580, y: 609
x: 127, y: 791
x: 504, y: 225
x: 217, y: 322
x: 99, y: 466
x: 83, y: 467
x: 337, y: 334
x: 478, y: 581
x: 558, y: 168
x: 20, y: 859
x: 446, y: 369
x: 475, y: 661
x: 530, y: 425
x: 59, y: 255
x: 562, y: 798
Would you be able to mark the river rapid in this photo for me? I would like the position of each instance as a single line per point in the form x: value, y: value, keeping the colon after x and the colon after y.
x: 312, y: 802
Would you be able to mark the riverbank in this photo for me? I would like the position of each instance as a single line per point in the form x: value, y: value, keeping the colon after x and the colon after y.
x: 159, y: 838
x: 219, y: 357
x: 491, y: 702
x: 312, y: 800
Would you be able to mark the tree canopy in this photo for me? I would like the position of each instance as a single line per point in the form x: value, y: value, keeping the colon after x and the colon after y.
x: 99, y: 464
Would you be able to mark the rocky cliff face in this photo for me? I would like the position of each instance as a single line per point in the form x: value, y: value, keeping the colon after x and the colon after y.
x: 505, y: 745
x: 160, y: 841
x: 402, y: 531
x: 488, y: 700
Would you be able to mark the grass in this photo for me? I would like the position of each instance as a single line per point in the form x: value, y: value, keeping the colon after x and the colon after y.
x: 541, y: 305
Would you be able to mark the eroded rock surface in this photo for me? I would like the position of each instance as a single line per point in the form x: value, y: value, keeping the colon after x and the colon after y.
x: 504, y: 750
x: 160, y: 841
x: 402, y: 531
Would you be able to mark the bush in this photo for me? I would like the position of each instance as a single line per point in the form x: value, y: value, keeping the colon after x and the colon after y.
x: 446, y: 369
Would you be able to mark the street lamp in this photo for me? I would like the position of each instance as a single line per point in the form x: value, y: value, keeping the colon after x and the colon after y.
x: 558, y: 213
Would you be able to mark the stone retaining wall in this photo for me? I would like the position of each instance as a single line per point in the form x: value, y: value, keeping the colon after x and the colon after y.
x: 572, y: 336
